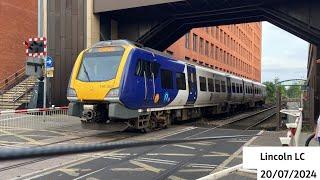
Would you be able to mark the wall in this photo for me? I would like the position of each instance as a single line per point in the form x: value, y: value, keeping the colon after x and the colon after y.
x: 66, y: 38
x: 239, y: 49
x: 18, y: 22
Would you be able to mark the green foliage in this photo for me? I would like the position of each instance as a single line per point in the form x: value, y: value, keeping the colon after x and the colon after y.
x: 294, y: 92
x: 271, y: 91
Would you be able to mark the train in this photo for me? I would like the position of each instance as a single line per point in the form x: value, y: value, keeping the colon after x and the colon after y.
x: 122, y: 81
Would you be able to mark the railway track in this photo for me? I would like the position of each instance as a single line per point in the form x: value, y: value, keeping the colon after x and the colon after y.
x: 245, y: 120
x: 252, y: 120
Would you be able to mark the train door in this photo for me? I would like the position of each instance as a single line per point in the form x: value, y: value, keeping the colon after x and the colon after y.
x: 150, y: 70
x: 229, y: 89
x: 192, y: 81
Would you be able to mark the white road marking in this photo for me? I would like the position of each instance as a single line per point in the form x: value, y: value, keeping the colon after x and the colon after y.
x: 168, y: 154
x: 183, y: 146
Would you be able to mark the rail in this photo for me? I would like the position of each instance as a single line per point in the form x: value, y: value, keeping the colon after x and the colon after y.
x: 12, y: 80
x: 255, y: 123
x: 23, y: 94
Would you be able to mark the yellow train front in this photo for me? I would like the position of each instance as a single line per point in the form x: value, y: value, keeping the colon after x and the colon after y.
x: 95, y: 80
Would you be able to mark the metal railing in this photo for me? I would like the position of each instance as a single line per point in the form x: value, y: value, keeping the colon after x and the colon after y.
x: 12, y: 80
x: 33, y: 118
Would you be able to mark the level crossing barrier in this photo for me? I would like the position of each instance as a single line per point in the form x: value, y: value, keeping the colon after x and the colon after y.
x: 294, y: 128
x: 41, y: 118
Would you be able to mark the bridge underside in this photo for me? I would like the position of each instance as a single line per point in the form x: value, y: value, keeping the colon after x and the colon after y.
x: 159, y: 23
x: 158, y: 26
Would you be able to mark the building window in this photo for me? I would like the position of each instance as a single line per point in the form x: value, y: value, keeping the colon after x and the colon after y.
x: 166, y: 79
x: 213, y: 33
x: 201, y: 46
x: 210, y: 85
x: 169, y: 52
x: 216, y: 53
x: 181, y: 81
x: 187, y: 40
x: 217, y: 33
x: 195, y: 42
x: 207, y: 48
x: 187, y: 58
x: 203, y: 83
x: 212, y: 51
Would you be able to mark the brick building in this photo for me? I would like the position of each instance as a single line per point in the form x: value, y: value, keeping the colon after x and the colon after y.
x: 234, y: 49
x: 18, y: 21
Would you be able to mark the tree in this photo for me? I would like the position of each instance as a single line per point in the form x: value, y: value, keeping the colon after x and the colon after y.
x: 271, y: 90
x: 294, y: 92
x: 271, y: 95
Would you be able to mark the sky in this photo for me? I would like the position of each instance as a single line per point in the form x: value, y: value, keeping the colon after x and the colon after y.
x: 284, y: 55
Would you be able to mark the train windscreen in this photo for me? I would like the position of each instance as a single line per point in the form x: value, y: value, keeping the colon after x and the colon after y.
x: 100, y: 65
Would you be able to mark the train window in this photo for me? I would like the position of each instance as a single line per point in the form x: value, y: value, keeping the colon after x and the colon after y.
x: 181, y: 81
x: 233, y: 88
x: 217, y: 85
x: 223, y: 86
x: 210, y: 85
x: 147, y: 67
x: 237, y: 87
x: 241, y: 88
x: 203, y: 83
x: 166, y: 79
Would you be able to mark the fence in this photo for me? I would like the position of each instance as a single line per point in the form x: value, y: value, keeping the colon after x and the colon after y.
x: 41, y: 118
x: 293, y: 135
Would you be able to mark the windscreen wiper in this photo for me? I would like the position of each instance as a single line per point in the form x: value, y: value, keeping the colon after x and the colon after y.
x: 86, y: 72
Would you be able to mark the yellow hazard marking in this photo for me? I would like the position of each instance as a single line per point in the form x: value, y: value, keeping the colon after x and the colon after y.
x: 128, y: 169
x: 215, y: 154
x: 168, y: 154
x: 175, y: 178
x: 203, y: 143
x: 195, y: 170
x: 183, y: 146
x: 145, y: 166
x: 29, y: 140
x: 237, y: 141
x: 73, y: 171
x: 92, y: 178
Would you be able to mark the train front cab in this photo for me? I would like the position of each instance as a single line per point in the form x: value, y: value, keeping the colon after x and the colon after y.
x: 92, y: 85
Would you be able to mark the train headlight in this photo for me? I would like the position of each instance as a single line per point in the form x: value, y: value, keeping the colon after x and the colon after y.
x: 113, y: 95
x: 71, y: 94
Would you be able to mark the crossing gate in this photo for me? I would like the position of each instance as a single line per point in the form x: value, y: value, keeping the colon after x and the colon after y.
x: 41, y: 118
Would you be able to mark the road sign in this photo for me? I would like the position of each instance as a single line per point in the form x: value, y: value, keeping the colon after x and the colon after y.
x: 36, y: 47
x: 49, y: 72
x: 49, y: 62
